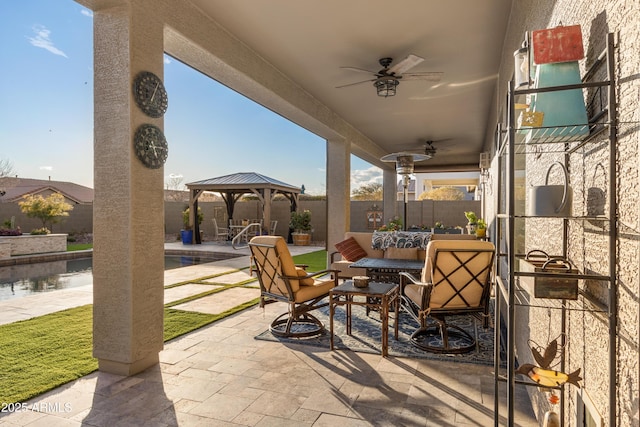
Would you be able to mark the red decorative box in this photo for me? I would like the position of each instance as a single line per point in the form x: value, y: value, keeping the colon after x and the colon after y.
x: 560, y: 44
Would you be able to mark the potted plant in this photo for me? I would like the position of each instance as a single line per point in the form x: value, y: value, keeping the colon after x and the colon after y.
x: 472, y: 219
x: 301, y: 225
x: 395, y: 224
x: 187, y: 232
x: 481, y: 228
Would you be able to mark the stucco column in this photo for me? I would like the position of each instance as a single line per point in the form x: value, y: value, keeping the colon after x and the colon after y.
x: 389, y: 194
x: 338, y: 191
x: 128, y: 214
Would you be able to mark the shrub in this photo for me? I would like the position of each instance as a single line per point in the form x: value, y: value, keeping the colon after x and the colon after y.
x: 301, y: 221
x: 40, y: 231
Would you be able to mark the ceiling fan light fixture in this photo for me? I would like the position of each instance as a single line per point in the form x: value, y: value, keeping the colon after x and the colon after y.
x: 386, y: 86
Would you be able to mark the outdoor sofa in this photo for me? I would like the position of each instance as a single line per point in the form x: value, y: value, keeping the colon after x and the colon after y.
x: 357, y: 245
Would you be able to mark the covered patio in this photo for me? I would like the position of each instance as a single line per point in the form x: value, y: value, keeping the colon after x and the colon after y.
x: 221, y: 375
x: 446, y: 82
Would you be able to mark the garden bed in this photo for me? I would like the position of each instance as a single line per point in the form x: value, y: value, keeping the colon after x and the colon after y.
x: 28, y: 244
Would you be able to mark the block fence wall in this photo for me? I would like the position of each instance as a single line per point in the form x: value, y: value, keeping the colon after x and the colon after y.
x: 426, y: 212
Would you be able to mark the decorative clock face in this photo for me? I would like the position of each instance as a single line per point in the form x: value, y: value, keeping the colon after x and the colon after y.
x: 150, y: 146
x: 150, y: 94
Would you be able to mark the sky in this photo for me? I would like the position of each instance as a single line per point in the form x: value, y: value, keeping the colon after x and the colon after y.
x: 46, y: 111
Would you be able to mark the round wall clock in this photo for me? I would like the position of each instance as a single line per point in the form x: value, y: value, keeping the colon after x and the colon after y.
x: 150, y: 146
x: 150, y: 94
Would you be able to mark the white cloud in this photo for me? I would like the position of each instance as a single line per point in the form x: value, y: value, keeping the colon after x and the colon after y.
x: 46, y: 168
x: 87, y: 12
x: 43, y: 40
x: 167, y: 60
x: 365, y: 176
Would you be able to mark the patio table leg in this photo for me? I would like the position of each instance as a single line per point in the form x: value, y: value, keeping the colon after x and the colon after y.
x: 397, y: 311
x: 332, y: 308
x: 384, y: 308
x: 348, y: 310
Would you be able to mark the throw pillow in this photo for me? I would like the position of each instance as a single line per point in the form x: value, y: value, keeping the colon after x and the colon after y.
x: 350, y: 250
x: 401, y: 253
x: 306, y: 281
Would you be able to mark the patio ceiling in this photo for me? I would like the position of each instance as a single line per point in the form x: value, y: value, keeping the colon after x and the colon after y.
x: 309, y: 42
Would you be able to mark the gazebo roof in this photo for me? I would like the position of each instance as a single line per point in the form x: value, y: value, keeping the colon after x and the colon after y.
x: 243, y: 181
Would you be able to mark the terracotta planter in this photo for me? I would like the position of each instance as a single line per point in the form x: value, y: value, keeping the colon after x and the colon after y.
x: 301, y: 239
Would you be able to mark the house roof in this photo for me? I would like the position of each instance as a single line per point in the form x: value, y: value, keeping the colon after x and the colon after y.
x: 16, y: 188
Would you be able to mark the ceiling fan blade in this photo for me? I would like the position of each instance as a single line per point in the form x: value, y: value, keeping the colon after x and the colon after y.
x: 405, y: 65
x: 356, y: 83
x: 428, y: 76
x: 360, y: 70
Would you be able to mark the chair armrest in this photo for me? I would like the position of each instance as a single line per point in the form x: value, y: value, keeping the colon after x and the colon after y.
x: 310, y: 274
x: 409, y: 276
x: 332, y: 255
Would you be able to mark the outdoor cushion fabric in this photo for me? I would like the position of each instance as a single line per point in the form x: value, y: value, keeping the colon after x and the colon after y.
x: 307, y: 281
x: 399, y: 239
x: 401, y: 253
x: 350, y: 250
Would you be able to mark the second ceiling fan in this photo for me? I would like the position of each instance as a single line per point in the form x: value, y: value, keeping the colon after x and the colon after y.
x: 388, y: 78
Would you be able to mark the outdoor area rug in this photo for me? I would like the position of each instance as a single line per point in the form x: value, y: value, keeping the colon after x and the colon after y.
x: 366, y: 336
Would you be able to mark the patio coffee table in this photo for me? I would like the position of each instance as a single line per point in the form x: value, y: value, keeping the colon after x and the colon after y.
x: 387, y: 269
x: 377, y: 295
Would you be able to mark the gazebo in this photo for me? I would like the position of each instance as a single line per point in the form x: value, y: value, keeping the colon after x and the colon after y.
x: 234, y: 186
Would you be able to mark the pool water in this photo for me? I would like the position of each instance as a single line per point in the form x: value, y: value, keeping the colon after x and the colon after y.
x: 26, y: 279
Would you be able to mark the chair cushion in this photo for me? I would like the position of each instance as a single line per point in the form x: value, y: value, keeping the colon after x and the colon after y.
x: 285, y: 262
x: 414, y: 292
x: 344, y: 271
x: 401, y: 253
x: 319, y: 288
x: 350, y: 250
x: 449, y: 244
x: 446, y: 273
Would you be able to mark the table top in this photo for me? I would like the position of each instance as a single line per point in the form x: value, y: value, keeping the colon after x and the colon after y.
x: 390, y: 263
x: 374, y: 288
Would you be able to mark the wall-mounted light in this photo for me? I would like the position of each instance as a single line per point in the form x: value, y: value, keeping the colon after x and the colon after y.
x: 386, y: 86
x: 522, y: 59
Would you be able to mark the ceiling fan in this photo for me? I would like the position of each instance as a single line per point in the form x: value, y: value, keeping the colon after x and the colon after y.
x: 429, y: 149
x: 388, y: 78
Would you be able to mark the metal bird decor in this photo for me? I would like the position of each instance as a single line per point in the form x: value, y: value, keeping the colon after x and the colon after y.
x: 544, y: 376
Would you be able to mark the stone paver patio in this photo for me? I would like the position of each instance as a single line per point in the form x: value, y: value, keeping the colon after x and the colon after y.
x: 220, y: 375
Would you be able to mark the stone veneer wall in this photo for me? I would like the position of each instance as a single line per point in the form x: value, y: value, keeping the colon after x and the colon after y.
x: 588, y: 249
x: 28, y: 244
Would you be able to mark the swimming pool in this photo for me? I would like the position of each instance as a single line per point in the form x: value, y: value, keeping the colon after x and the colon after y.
x: 25, y: 279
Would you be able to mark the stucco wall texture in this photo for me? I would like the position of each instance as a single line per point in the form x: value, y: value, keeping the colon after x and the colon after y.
x: 587, y: 242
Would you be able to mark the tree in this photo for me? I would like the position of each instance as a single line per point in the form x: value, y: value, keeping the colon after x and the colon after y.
x: 48, y: 209
x: 442, y: 193
x: 6, y: 170
x: 370, y: 191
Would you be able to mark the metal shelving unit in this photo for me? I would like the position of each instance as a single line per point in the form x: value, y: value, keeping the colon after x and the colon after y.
x: 603, y: 124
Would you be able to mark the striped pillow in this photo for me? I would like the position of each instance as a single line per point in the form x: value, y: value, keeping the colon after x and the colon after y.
x: 350, y: 250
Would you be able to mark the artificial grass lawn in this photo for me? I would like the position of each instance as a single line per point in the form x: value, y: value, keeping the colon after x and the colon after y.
x: 315, y: 260
x: 42, y: 353
x: 78, y: 246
